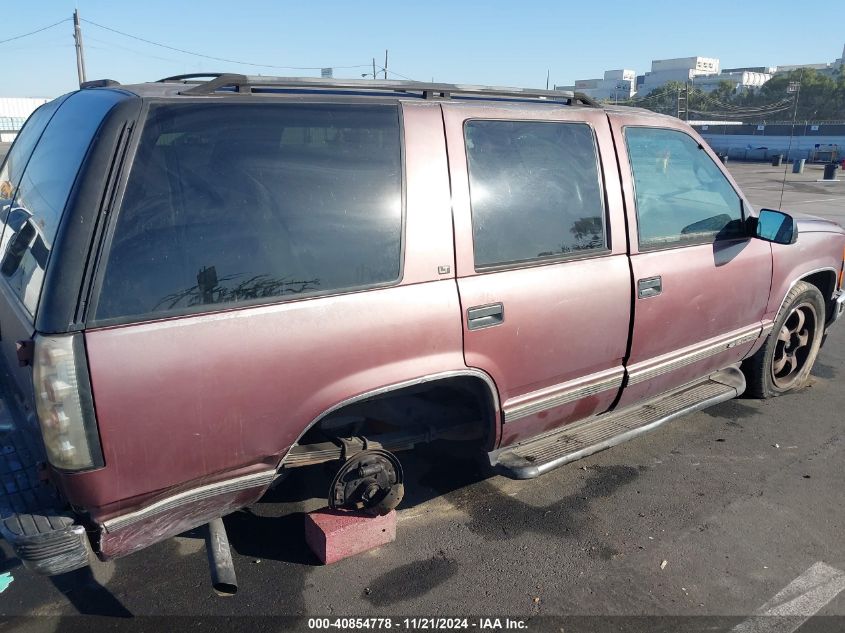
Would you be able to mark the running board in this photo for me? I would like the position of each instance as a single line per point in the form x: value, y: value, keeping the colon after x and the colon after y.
x: 574, y: 441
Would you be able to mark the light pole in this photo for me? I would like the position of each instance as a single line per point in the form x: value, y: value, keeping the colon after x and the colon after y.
x: 372, y: 74
x: 794, y: 86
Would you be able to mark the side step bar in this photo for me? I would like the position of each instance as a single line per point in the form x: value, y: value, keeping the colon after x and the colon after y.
x: 579, y: 439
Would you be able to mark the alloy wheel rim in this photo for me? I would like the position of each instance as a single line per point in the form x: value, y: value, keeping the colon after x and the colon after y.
x: 794, y: 345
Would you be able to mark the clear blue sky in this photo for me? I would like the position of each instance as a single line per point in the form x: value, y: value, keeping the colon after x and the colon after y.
x: 492, y: 42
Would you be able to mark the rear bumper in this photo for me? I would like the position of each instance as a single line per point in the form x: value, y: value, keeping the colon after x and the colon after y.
x: 44, y: 538
x: 838, y: 308
x: 47, y: 544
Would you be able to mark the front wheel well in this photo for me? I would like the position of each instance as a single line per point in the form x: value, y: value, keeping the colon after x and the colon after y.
x: 825, y: 281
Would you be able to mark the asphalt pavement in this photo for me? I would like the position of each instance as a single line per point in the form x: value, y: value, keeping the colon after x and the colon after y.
x: 712, y: 518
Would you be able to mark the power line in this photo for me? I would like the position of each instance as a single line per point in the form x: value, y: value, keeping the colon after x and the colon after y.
x: 652, y: 95
x: 114, y: 45
x: 395, y: 73
x: 44, y: 28
x: 730, y: 107
x: 739, y: 115
x: 219, y: 59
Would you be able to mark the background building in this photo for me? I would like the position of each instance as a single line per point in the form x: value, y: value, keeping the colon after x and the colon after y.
x: 617, y: 85
x: 740, y: 80
x: 13, y: 113
x: 682, y: 69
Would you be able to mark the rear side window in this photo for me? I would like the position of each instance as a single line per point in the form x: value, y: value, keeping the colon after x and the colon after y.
x: 534, y: 189
x: 16, y: 160
x: 231, y: 203
x: 682, y: 196
x: 45, y: 187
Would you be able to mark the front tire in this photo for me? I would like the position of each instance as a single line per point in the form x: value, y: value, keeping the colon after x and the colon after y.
x: 784, y: 362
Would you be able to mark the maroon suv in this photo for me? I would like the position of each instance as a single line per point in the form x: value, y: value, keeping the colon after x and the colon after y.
x: 206, y: 283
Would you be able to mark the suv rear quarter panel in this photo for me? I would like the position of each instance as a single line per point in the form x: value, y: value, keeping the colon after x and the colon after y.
x: 185, y: 401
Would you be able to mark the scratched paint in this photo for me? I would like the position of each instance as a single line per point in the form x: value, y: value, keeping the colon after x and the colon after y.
x: 5, y: 580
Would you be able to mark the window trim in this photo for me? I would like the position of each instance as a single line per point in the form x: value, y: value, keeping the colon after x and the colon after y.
x: 675, y: 244
x: 548, y: 259
x: 89, y: 319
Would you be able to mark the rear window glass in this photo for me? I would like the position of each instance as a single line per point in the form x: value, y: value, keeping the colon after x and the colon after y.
x: 44, y: 188
x: 535, y: 190
x: 233, y: 203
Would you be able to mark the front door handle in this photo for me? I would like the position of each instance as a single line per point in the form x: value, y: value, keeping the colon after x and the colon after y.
x: 485, y: 316
x: 650, y: 287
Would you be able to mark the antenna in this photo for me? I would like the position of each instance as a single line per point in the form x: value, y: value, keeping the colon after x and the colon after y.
x: 80, y: 53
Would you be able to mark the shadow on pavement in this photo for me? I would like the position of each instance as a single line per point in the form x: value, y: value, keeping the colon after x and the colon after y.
x: 88, y: 596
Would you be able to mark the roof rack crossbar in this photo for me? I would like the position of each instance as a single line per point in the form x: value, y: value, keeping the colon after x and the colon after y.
x: 248, y: 84
x: 188, y: 76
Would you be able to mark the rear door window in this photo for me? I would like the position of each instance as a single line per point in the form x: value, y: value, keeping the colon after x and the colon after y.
x: 44, y: 188
x: 249, y: 203
x: 535, y: 191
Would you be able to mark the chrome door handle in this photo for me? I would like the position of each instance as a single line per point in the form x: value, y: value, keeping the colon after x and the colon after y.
x: 650, y: 287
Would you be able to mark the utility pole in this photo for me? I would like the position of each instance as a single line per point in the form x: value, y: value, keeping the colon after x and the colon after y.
x: 374, y: 68
x: 385, y: 63
x: 80, y: 53
x: 547, y: 79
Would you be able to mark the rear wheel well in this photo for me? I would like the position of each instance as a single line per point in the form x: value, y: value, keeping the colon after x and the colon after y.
x: 459, y: 408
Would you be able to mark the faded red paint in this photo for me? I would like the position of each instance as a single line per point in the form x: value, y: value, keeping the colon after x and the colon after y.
x: 563, y: 320
x: 188, y: 401
x: 204, y: 395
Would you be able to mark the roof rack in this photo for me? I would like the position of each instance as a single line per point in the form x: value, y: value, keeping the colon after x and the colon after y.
x: 230, y: 82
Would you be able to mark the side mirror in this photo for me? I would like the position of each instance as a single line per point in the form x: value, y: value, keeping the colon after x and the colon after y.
x: 775, y: 226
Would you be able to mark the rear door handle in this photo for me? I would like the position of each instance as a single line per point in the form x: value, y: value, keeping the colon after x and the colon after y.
x: 650, y: 287
x: 485, y: 316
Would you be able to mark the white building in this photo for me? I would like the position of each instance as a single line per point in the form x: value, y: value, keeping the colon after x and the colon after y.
x: 617, y: 85
x: 701, y: 65
x: 740, y: 80
x: 682, y: 69
x: 831, y: 69
x: 13, y: 113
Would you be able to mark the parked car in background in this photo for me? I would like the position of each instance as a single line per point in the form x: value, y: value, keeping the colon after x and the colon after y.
x: 207, y: 282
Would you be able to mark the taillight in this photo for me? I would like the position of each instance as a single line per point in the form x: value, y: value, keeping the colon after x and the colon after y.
x: 64, y: 404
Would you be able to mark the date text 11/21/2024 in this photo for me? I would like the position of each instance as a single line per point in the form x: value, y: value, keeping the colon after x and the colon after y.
x: 418, y: 624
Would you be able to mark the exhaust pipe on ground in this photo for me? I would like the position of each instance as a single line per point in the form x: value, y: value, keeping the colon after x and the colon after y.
x: 223, y: 578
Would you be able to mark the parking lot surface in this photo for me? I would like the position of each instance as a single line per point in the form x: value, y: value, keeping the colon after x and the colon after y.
x: 725, y: 512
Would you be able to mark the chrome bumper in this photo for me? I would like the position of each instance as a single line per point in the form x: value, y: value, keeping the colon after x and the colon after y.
x: 838, y: 308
